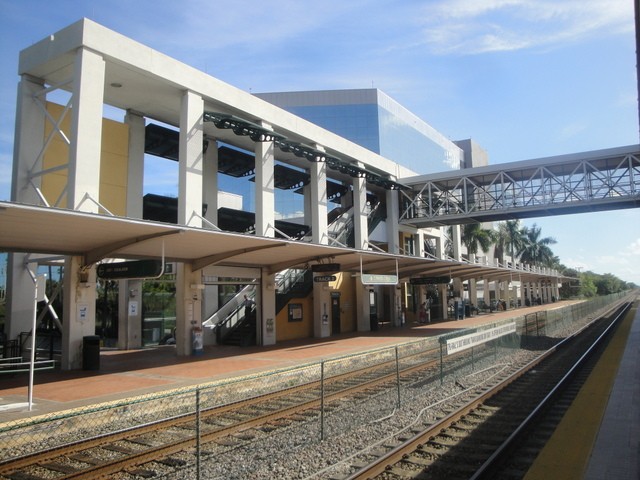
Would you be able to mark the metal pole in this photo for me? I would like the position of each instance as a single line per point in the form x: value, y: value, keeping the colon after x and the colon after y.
x: 441, y: 370
x: 398, y: 375
x: 473, y: 360
x: 322, y: 400
x: 198, y: 433
x: 39, y: 292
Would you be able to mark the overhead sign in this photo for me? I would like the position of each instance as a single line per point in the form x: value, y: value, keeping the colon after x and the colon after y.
x: 325, y: 278
x: 378, y: 279
x: 133, y: 269
x: 429, y: 280
x: 325, y: 268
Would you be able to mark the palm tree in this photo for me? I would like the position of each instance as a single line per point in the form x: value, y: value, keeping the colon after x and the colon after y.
x: 509, y: 238
x: 475, y: 238
x: 536, y: 250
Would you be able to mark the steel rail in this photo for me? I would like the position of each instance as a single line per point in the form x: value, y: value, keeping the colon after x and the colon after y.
x: 397, y: 454
x: 104, y: 468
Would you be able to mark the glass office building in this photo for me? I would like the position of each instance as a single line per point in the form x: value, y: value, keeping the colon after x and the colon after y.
x: 375, y: 121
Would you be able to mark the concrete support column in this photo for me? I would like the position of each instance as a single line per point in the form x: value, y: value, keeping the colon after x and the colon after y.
x: 419, y: 239
x: 210, y: 182
x: 444, y: 301
x: 265, y: 188
x: 392, y: 222
x: 86, y: 131
x: 319, y: 202
x: 504, y: 291
x: 363, y: 306
x: 396, y: 305
x: 83, y: 180
x: 266, y: 315
x: 79, y: 318
x: 457, y: 242
x: 190, y: 160
x: 188, y: 307
x: 28, y: 141
x: 307, y: 207
x: 135, y: 167
x: 473, y: 291
x: 130, y: 314
x: 360, y: 217
x: 520, y: 299
x: 20, y: 294
x: 440, y: 243
x: 130, y: 291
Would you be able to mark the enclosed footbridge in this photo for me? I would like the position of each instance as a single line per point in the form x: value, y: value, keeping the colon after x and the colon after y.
x: 583, y: 182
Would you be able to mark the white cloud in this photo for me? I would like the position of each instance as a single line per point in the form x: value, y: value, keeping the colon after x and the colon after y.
x: 461, y: 26
x: 572, y: 130
x: 633, y: 249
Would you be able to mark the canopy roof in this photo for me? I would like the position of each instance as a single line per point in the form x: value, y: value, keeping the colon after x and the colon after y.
x: 96, y: 237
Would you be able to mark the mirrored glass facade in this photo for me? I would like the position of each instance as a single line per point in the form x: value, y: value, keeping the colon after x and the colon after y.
x: 373, y: 120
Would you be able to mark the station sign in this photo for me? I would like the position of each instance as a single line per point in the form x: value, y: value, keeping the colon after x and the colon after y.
x: 132, y: 269
x: 429, y: 280
x: 378, y: 279
x: 325, y: 268
x: 325, y: 278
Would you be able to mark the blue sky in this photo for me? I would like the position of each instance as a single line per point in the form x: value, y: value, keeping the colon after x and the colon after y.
x: 523, y: 78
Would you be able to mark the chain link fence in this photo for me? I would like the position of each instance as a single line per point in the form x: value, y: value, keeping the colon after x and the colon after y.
x: 401, y: 371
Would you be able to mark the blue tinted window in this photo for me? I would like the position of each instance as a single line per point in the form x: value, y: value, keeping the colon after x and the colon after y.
x: 358, y: 123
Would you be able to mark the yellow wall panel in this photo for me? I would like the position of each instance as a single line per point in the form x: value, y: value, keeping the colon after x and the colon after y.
x: 286, y: 330
x: 117, y: 135
x: 114, y: 198
x: 114, y: 159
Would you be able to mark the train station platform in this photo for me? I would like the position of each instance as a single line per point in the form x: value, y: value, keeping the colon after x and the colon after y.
x: 132, y: 373
x: 599, y: 435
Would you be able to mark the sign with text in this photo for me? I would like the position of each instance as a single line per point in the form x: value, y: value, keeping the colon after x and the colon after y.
x: 133, y: 269
x: 429, y: 280
x: 463, y: 342
x: 325, y: 278
x: 378, y: 279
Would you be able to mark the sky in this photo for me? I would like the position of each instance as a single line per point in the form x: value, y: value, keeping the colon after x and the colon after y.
x: 524, y: 78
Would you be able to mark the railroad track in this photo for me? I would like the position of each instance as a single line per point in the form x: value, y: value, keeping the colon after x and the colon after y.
x: 157, y: 446
x: 472, y: 439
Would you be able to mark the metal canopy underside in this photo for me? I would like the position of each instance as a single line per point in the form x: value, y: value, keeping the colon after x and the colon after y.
x: 95, y: 236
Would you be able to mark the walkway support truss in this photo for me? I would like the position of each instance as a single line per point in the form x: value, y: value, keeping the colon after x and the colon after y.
x: 585, y: 182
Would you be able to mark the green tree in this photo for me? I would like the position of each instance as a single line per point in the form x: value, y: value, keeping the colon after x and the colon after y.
x: 587, y: 285
x: 509, y: 239
x: 608, y: 284
x: 535, y: 249
x: 569, y: 288
x: 476, y: 238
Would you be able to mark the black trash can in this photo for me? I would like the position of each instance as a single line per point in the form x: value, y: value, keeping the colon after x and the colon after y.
x: 91, y: 352
x: 373, y: 321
